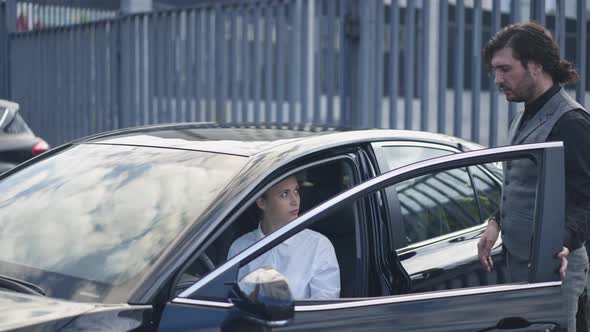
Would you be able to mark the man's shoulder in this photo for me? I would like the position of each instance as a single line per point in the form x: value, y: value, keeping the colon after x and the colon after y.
x: 573, y: 119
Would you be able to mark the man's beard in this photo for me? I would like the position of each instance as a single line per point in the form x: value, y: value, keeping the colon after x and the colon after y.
x: 523, y: 92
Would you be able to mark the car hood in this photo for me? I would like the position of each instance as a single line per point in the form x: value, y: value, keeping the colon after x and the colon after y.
x: 21, y: 310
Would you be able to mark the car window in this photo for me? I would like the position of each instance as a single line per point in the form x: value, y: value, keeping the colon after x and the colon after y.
x: 400, y: 155
x: 437, y: 204
x: 312, y: 246
x: 95, y: 216
x: 488, y: 187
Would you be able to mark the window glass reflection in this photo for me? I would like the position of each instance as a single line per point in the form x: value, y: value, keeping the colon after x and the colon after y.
x: 105, y: 213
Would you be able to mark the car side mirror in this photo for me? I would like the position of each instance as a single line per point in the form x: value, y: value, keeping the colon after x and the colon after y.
x: 264, y: 298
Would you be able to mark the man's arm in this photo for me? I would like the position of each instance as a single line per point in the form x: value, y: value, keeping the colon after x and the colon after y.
x: 573, y: 128
x: 486, y: 243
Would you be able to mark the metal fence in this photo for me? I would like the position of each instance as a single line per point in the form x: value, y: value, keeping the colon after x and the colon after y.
x: 292, y: 63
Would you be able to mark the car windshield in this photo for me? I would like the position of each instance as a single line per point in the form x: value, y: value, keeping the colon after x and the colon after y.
x: 91, y: 219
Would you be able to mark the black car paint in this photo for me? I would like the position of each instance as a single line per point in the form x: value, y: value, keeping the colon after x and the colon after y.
x: 276, y: 160
x: 474, y: 312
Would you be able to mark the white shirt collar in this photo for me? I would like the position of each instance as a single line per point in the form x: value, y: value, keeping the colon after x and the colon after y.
x: 289, y: 242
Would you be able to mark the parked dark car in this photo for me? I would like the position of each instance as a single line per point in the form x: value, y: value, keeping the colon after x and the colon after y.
x: 130, y: 230
x: 17, y: 141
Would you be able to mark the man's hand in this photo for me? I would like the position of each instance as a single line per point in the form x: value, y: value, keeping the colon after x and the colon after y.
x: 562, y: 255
x: 486, y: 243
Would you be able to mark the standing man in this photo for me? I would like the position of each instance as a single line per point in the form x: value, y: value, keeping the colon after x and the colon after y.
x: 525, y: 62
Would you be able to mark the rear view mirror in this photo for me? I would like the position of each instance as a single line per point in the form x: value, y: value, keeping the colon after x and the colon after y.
x: 263, y: 297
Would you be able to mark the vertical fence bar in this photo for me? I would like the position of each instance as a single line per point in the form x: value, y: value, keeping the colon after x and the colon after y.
x: 304, y: 82
x: 78, y: 82
x: 199, y: 69
x: 211, y: 63
x: 295, y: 59
x: 152, y: 69
x: 221, y: 63
x: 496, y: 20
x: 378, y: 92
x: 425, y: 77
x: 317, y: 92
x: 166, y: 112
x: 409, y: 64
x: 459, y: 71
x: 256, y: 66
x: 161, y: 66
x: 87, y: 110
x: 51, y: 114
x: 514, y: 18
x: 147, y: 67
x: 174, y: 78
x: 268, y: 63
x: 343, y: 56
x: 280, y: 74
x: 116, y: 65
x: 367, y: 74
x: 538, y: 11
x: 100, y: 53
x: 234, y: 66
x: 40, y: 93
x: 92, y: 91
x: 182, y: 71
x: 138, y: 72
x: 394, y: 26
x: 245, y: 64
x: 329, y: 79
x: 560, y: 26
x: 190, y: 64
x: 442, y: 67
x: 58, y: 112
x: 476, y: 71
x: 581, y: 26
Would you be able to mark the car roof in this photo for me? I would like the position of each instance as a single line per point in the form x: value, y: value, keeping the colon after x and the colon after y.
x: 249, y: 141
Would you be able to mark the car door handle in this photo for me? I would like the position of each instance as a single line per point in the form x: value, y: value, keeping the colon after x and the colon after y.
x: 431, y: 273
x: 521, y: 324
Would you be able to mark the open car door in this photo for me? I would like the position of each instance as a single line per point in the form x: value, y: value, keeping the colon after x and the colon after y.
x: 533, y: 306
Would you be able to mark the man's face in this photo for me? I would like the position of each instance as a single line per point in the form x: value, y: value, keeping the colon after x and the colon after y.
x: 512, y: 78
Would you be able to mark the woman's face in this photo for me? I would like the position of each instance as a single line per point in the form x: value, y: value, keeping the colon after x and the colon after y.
x: 280, y: 204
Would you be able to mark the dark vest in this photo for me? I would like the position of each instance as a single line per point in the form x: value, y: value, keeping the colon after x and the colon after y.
x: 520, y: 176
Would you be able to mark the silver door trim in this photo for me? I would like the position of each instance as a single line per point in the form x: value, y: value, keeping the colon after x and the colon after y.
x: 354, y: 303
x: 425, y: 296
x: 203, y: 303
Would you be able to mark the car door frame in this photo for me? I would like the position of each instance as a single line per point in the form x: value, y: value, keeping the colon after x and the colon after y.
x: 543, y: 290
x: 433, y: 278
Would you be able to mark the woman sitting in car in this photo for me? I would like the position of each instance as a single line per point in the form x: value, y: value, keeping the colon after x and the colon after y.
x: 307, y: 259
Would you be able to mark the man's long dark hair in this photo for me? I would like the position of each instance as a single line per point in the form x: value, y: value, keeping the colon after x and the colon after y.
x: 530, y: 42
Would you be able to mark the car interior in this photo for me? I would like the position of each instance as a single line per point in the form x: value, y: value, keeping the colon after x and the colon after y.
x: 317, y: 184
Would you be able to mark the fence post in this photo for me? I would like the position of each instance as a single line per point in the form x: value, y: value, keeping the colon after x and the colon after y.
x: 9, y: 26
x: 350, y: 50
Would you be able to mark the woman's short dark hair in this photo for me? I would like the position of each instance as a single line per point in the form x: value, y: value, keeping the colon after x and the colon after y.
x: 530, y: 42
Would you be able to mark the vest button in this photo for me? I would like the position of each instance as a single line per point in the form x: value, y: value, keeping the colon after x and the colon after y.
x: 506, y: 182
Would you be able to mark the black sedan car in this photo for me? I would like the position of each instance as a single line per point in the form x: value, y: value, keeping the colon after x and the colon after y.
x: 18, y: 143
x: 130, y: 230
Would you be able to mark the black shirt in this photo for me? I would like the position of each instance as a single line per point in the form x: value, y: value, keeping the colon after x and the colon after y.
x: 573, y: 128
